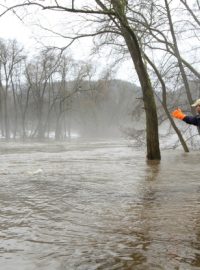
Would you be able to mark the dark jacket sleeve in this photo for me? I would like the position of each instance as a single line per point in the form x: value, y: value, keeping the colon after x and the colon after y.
x: 193, y: 120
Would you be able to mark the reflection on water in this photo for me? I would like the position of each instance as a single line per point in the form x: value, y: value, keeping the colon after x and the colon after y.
x: 98, y: 206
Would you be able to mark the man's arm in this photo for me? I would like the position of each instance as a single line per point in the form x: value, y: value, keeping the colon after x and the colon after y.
x: 192, y: 120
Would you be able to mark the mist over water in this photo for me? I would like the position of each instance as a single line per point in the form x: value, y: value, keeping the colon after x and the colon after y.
x: 98, y: 205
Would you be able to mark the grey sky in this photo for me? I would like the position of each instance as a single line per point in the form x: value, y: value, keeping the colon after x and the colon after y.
x: 32, y: 37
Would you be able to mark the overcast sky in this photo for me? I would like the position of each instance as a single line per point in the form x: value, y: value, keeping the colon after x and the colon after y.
x: 31, y: 37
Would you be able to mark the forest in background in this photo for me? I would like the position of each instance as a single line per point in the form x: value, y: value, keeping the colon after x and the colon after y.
x: 55, y: 97
x: 160, y: 37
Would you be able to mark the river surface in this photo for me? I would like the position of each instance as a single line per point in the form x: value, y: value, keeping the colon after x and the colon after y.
x: 98, y: 205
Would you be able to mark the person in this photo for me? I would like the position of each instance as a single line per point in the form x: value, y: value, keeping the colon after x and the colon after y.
x: 192, y: 120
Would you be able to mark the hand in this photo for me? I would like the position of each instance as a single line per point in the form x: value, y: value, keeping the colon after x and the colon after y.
x: 178, y: 114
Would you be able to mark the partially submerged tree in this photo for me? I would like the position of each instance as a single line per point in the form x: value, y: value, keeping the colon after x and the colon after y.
x: 165, y: 30
x: 114, y: 12
x: 143, y: 29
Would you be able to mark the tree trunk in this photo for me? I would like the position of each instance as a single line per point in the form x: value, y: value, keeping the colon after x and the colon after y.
x: 152, y: 138
x: 15, y: 116
x: 1, y: 109
x: 40, y: 126
x: 153, y: 150
x: 6, y: 115
x: 181, y: 67
x: 58, y: 128
x: 164, y: 104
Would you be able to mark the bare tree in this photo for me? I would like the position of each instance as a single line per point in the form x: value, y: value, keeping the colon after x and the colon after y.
x: 115, y: 12
x: 159, y: 38
x: 177, y: 53
x: 163, y: 101
x: 141, y: 29
x: 10, y: 57
x: 38, y: 75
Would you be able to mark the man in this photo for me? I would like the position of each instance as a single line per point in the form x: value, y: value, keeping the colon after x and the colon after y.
x: 193, y: 120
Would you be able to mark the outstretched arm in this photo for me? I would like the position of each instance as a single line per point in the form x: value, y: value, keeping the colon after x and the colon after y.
x: 192, y: 120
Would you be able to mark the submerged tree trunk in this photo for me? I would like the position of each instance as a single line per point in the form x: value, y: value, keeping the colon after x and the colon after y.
x: 153, y: 150
x: 116, y: 13
x: 164, y: 104
x: 152, y: 138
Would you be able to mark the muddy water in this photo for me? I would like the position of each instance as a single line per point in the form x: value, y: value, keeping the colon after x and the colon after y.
x: 98, y: 205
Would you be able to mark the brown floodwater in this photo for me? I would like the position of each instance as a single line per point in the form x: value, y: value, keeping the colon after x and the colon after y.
x: 98, y: 205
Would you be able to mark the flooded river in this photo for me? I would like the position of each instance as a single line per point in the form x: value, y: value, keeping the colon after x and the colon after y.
x: 98, y: 205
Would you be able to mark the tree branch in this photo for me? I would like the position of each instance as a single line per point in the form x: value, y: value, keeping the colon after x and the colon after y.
x: 58, y: 8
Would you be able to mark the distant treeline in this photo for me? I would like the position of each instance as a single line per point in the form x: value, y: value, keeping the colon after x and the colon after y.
x: 53, y: 96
